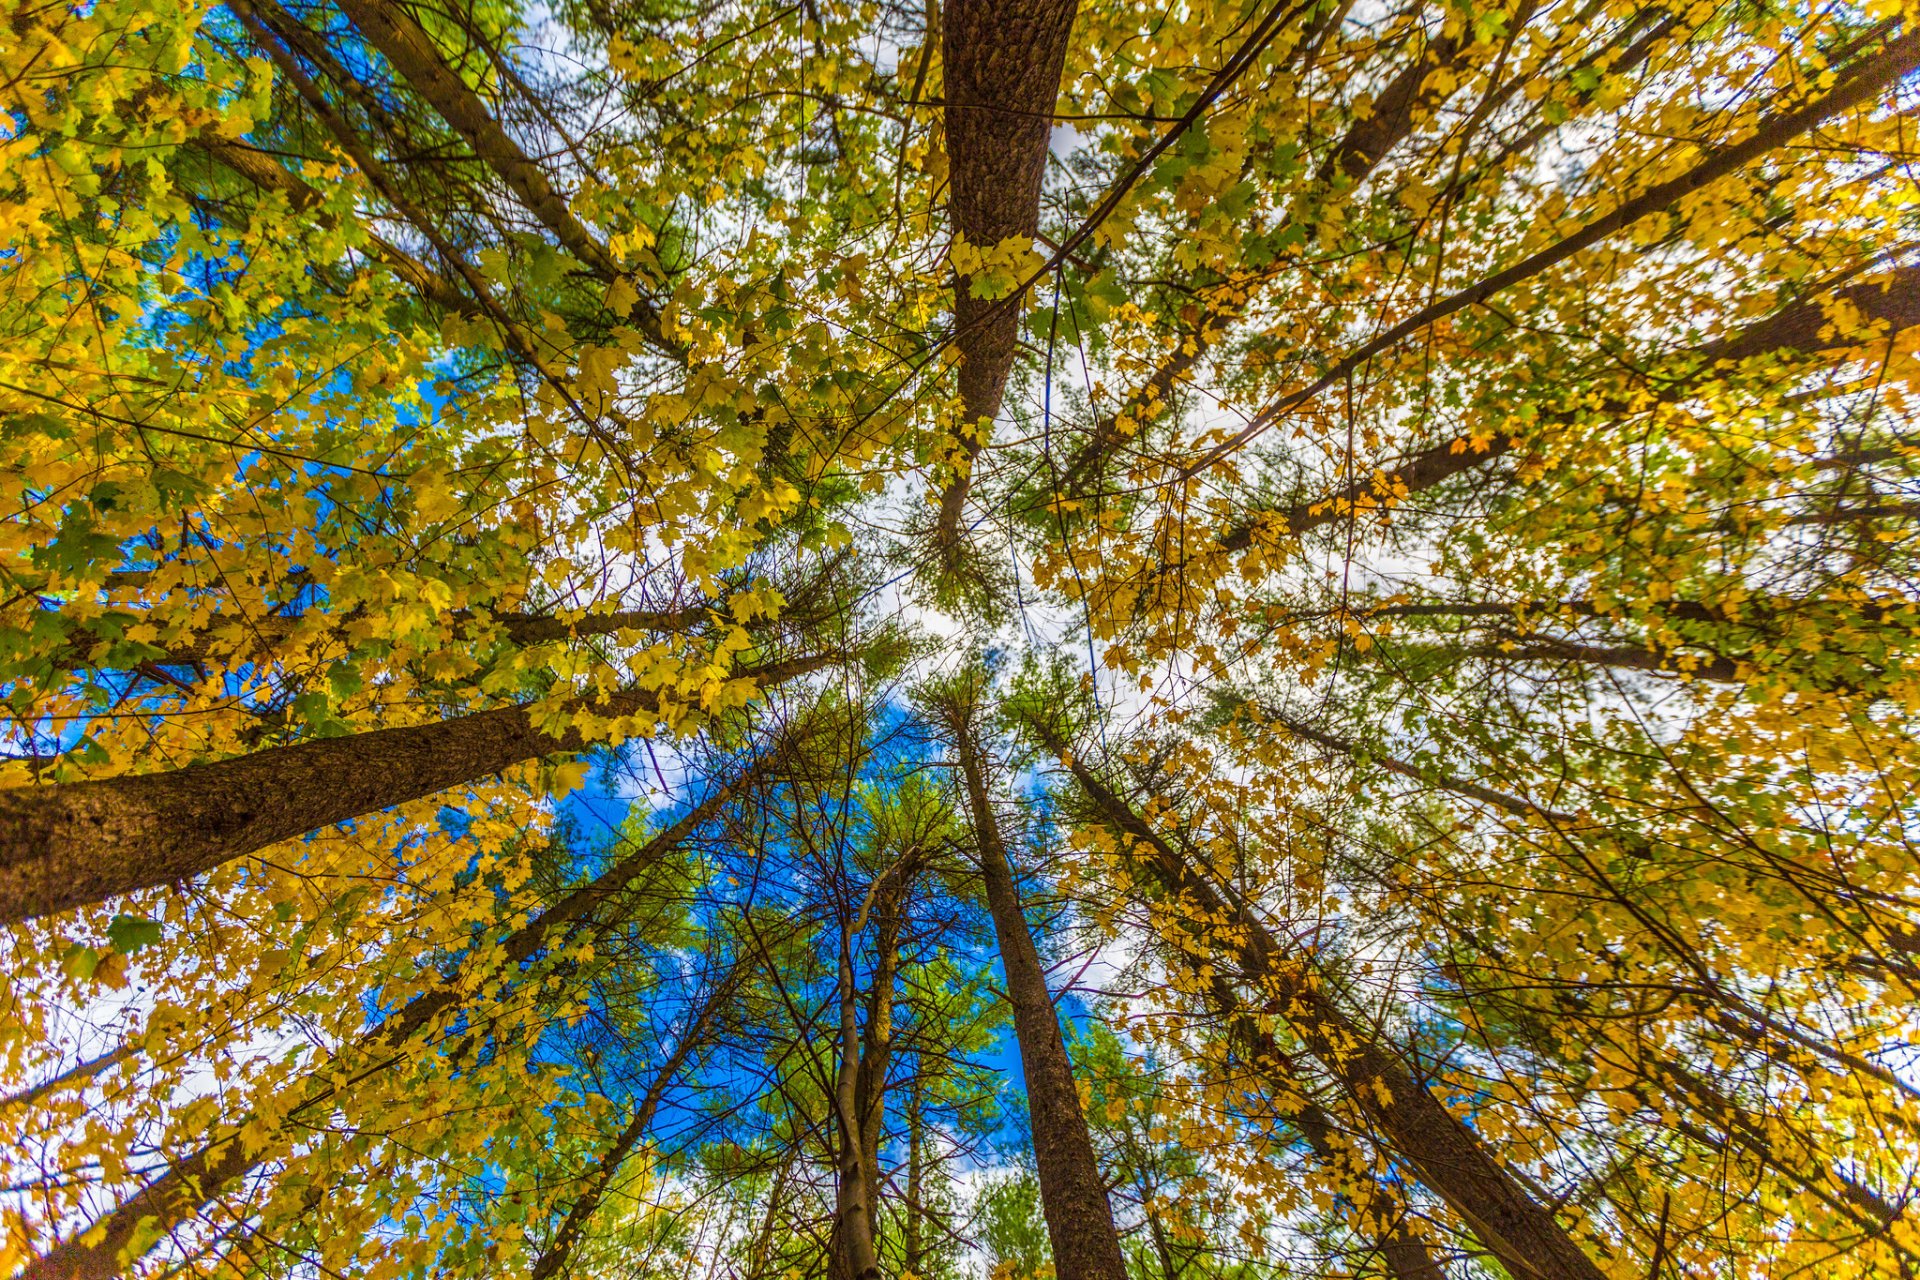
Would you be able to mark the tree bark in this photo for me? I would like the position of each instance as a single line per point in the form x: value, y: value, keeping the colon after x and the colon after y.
x: 1073, y: 1195
x: 1860, y: 85
x: 1797, y: 327
x: 1449, y: 1157
x: 850, y: 1250
x: 74, y: 843
x: 554, y: 1257
x: 1002, y: 60
x: 184, y: 1190
x: 910, y: 1237
x: 861, y: 1083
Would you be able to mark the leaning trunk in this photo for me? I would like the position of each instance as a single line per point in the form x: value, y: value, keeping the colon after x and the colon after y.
x: 1450, y: 1158
x: 183, y: 1191
x: 1073, y: 1195
x: 75, y: 843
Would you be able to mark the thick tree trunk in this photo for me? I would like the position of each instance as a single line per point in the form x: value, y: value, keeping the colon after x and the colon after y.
x: 1450, y: 1158
x: 1002, y: 60
x: 74, y: 843
x: 1073, y: 1195
x: 183, y: 1191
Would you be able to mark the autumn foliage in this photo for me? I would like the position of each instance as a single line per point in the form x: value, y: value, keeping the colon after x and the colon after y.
x: 1004, y: 637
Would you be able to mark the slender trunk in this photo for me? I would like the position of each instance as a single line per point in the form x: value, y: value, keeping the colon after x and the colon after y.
x: 851, y: 1252
x: 861, y: 1083
x: 231, y: 636
x: 1862, y: 83
x: 910, y: 1246
x: 554, y: 1257
x: 70, y: 844
x: 1376, y: 1202
x: 762, y: 1252
x: 179, y: 1194
x: 876, y: 1054
x: 1799, y: 327
x: 78, y: 1073
x: 1519, y: 1230
x: 1073, y: 1195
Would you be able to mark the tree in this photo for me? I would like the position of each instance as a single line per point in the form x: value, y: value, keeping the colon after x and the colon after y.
x: 541, y: 557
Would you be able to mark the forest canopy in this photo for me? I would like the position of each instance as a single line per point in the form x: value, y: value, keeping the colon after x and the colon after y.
x: 1016, y: 638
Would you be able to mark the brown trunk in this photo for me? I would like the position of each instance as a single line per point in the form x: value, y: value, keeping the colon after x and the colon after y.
x: 1798, y: 327
x: 1073, y: 1196
x: 231, y: 637
x: 1405, y: 1254
x: 850, y: 1251
x: 74, y: 843
x: 554, y: 1257
x: 1862, y: 84
x: 411, y: 52
x: 179, y: 1194
x: 861, y: 1084
x: 761, y: 1253
x: 1002, y: 61
x: 1449, y: 1157
x: 910, y: 1246
x: 876, y: 1053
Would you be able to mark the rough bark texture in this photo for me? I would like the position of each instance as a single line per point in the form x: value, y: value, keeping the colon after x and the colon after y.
x: 850, y: 1254
x: 188, y: 1187
x: 1073, y: 1195
x: 861, y: 1084
x: 1449, y: 1157
x: 1368, y: 141
x: 1002, y: 62
x: 73, y: 843
x: 389, y: 28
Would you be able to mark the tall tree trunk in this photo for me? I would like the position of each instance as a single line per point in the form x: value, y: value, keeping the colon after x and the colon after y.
x: 861, y: 1083
x: 554, y: 1257
x: 74, y: 843
x: 1519, y: 1230
x: 876, y: 1051
x: 185, y: 1189
x: 910, y: 1238
x: 1002, y: 60
x: 761, y: 1254
x: 1073, y: 1195
x: 851, y: 1252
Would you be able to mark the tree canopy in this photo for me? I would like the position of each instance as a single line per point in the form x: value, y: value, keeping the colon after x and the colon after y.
x: 886, y: 638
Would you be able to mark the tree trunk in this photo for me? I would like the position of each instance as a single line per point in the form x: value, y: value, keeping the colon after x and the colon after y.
x: 851, y: 1252
x: 910, y: 1239
x: 554, y: 1257
x: 1073, y: 1195
x: 1002, y: 60
x: 1449, y: 1157
x: 861, y: 1084
x: 1800, y: 327
x: 70, y: 844
x: 183, y: 1191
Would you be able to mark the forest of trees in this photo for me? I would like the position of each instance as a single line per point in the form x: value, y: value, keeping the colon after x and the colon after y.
x: 744, y: 639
